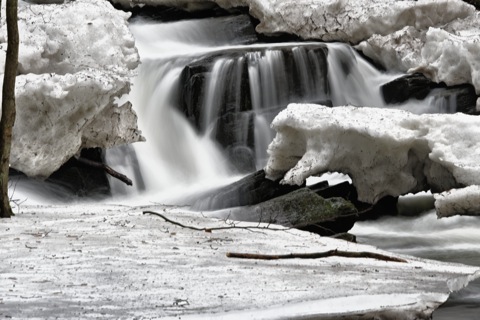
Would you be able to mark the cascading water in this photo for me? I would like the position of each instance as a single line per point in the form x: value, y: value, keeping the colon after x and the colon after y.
x: 229, y: 90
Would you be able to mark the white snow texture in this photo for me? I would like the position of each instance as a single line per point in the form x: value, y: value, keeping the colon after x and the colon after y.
x: 75, y: 59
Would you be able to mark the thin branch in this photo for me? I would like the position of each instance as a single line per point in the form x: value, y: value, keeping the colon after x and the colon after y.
x: 315, y: 255
x: 107, y: 169
x: 212, y: 228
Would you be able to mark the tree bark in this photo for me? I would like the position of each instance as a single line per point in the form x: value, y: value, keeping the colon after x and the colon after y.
x: 8, y: 105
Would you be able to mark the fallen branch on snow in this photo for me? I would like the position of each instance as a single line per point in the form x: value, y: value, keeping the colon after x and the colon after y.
x: 315, y: 255
x: 205, y: 229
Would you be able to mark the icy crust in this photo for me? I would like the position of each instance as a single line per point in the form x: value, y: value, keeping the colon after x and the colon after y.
x: 465, y: 201
x: 75, y: 59
x: 385, y: 151
x: 449, y: 54
x: 113, y: 262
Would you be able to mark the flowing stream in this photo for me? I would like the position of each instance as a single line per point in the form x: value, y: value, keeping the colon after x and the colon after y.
x: 180, y: 158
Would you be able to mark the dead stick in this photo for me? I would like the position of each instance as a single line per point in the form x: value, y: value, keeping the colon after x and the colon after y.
x: 315, y: 255
x: 107, y: 169
x: 209, y: 229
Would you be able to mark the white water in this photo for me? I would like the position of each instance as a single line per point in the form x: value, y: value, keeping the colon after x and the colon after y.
x: 177, y: 157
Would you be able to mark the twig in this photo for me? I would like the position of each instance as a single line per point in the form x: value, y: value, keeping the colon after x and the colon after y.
x: 315, y: 255
x: 107, y: 169
x: 205, y: 229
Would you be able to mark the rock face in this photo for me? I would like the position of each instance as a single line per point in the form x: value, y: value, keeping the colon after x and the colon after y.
x: 385, y: 152
x: 71, y: 71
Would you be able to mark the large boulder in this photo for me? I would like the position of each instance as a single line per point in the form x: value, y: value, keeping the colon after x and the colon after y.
x: 71, y: 74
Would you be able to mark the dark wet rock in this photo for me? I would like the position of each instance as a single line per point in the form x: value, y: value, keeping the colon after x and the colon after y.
x: 251, y: 190
x: 460, y: 98
x: 263, y: 200
x: 80, y: 179
x: 71, y: 181
x: 414, y: 85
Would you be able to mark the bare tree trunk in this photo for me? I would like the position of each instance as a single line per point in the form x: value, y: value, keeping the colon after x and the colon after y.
x: 8, y: 105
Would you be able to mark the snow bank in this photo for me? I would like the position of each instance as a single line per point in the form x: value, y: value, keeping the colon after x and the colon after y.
x: 106, y: 261
x: 384, y: 151
x: 449, y: 54
x: 75, y: 59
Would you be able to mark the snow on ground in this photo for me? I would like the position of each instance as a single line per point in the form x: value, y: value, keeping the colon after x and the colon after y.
x: 384, y: 151
x: 111, y: 261
x: 75, y: 59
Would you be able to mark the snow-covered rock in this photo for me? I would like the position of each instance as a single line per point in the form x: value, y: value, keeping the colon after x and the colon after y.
x: 385, y: 151
x: 350, y: 21
x: 60, y: 114
x: 448, y: 54
x: 75, y: 60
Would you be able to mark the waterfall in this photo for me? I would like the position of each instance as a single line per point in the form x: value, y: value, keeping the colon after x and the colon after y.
x: 205, y: 102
